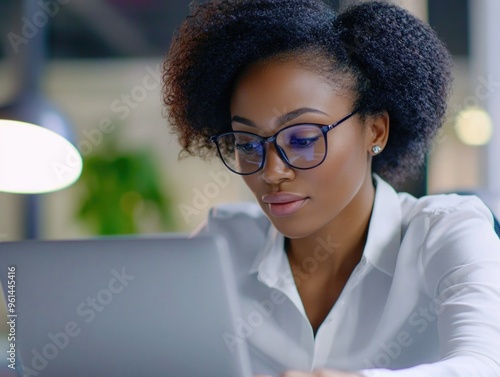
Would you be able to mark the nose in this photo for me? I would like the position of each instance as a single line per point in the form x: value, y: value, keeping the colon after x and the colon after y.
x: 275, y: 170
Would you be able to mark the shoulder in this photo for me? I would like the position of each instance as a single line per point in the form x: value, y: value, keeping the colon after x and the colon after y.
x: 234, y: 215
x: 248, y: 210
x: 239, y: 223
x: 449, y: 215
x: 453, y: 234
x: 245, y: 228
x: 438, y: 206
x: 446, y: 212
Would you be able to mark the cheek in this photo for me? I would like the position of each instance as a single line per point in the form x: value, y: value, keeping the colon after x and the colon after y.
x: 252, y: 182
x: 346, y: 160
x: 258, y: 188
x: 333, y: 184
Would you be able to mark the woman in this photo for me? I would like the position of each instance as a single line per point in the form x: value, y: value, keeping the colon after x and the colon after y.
x: 320, y: 114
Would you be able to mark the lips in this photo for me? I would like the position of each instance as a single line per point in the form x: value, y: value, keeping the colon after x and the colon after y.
x: 283, y: 203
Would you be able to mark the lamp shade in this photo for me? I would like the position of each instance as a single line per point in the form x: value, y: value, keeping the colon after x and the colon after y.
x: 35, y: 160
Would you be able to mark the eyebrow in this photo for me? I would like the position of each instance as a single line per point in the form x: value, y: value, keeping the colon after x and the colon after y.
x: 282, y: 119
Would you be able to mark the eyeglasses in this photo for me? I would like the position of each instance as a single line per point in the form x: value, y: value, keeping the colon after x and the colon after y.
x: 300, y: 146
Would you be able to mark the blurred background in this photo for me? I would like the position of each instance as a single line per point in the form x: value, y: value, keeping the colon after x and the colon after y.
x: 102, y: 71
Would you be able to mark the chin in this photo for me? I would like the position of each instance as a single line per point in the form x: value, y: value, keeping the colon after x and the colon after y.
x: 292, y: 228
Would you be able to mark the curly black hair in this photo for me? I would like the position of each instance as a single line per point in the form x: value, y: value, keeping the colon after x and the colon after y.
x: 393, y: 62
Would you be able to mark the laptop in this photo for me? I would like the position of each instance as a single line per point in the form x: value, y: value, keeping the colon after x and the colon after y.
x: 124, y: 307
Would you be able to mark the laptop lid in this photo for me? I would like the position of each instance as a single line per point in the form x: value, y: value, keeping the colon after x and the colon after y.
x: 121, y: 307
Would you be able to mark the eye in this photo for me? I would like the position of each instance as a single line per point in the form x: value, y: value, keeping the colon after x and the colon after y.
x: 248, y: 148
x: 302, y: 142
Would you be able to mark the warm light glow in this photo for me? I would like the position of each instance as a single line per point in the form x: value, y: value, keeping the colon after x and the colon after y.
x: 474, y: 126
x: 35, y: 160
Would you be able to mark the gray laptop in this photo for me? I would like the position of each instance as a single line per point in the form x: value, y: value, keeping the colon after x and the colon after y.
x: 124, y: 307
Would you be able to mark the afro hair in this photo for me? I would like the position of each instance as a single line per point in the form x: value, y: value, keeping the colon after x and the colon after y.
x: 396, y: 62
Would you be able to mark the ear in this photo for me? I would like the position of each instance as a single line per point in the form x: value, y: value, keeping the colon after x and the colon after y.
x: 377, y: 132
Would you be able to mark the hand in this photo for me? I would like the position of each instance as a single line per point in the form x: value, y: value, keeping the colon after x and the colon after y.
x: 317, y: 373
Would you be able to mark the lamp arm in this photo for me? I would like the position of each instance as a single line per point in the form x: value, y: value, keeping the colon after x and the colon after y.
x: 28, y: 55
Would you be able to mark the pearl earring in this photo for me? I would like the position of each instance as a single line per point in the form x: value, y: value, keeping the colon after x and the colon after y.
x: 376, y: 149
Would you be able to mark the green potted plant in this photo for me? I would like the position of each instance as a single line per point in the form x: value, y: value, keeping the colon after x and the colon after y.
x: 120, y: 189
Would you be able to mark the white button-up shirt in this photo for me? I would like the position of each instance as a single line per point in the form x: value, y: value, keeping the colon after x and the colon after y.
x: 423, y: 301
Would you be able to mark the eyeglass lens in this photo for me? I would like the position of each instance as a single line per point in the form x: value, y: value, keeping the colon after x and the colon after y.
x: 301, y: 146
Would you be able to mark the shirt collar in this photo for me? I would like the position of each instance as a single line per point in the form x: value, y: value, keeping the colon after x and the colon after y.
x: 381, y: 249
x: 271, y: 258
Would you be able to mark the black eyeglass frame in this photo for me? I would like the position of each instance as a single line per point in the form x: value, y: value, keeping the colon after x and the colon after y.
x: 272, y: 139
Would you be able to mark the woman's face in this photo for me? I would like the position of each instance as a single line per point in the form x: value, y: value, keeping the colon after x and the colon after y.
x: 274, y: 95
